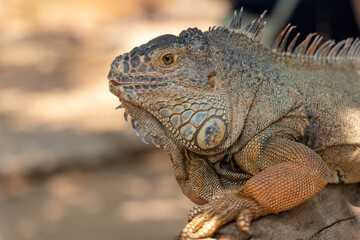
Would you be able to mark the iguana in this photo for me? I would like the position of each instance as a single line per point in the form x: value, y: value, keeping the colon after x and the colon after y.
x: 249, y: 130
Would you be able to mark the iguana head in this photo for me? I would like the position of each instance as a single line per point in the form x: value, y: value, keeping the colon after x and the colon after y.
x: 170, y: 88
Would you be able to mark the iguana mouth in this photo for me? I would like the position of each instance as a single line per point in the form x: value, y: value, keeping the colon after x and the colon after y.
x: 115, y: 83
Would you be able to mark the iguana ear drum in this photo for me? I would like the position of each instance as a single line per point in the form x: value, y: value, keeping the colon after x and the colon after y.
x: 211, y: 133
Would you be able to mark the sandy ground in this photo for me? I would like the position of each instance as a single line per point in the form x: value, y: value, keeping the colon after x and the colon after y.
x: 118, y: 201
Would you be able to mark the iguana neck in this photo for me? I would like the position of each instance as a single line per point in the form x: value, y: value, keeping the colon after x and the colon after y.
x: 255, y: 82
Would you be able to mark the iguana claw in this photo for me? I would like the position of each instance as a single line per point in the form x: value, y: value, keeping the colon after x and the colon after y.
x: 207, y: 218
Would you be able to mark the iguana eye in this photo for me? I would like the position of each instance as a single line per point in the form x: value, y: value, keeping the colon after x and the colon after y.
x: 168, y: 58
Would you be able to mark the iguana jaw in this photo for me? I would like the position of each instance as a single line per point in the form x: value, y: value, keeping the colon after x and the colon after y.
x: 191, y: 121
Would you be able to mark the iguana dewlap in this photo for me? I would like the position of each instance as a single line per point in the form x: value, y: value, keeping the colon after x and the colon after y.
x: 250, y: 130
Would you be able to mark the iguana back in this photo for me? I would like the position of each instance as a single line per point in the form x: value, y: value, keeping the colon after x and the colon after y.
x: 331, y: 93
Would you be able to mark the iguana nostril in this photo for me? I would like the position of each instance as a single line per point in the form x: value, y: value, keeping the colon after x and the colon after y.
x: 124, y: 67
x: 135, y: 61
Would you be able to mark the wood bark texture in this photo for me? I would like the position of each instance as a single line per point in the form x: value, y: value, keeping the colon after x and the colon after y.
x: 334, y: 213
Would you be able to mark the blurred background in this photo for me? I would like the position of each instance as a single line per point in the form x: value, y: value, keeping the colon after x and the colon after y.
x: 70, y: 166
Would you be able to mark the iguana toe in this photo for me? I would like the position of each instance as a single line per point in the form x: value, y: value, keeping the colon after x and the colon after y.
x: 191, y: 230
x: 218, y: 212
x: 244, y: 219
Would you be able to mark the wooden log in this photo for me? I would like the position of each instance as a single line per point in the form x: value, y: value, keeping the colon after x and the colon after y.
x: 334, y: 213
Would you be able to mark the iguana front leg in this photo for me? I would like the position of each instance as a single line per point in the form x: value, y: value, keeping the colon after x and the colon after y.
x: 285, y: 174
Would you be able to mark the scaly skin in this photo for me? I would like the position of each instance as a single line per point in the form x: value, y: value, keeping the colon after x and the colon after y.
x: 250, y: 131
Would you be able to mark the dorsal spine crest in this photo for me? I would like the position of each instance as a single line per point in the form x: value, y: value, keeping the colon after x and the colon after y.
x: 309, y: 50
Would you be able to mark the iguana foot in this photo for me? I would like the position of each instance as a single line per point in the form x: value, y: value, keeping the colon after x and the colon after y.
x: 205, y: 219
